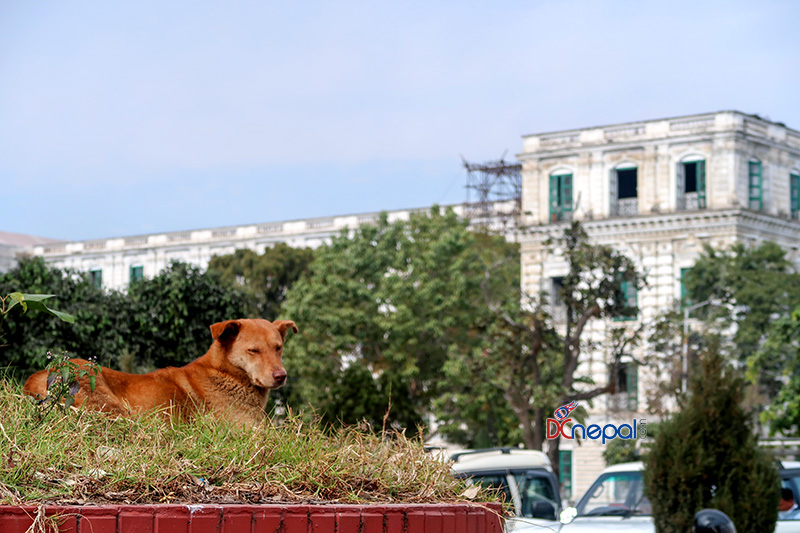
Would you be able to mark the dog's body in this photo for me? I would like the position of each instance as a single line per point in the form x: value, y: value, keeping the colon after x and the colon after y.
x: 232, y: 379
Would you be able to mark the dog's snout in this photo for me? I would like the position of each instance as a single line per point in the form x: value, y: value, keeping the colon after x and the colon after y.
x: 280, y: 377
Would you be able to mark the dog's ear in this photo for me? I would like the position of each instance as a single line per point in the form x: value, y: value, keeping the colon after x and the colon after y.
x: 284, y: 325
x: 225, y: 332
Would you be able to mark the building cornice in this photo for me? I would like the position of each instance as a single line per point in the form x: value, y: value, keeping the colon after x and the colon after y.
x: 691, y: 128
x: 676, y: 224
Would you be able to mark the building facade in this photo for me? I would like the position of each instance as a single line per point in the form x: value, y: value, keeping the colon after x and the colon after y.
x: 114, y: 262
x: 657, y: 190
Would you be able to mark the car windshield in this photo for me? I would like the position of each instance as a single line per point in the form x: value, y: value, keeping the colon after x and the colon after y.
x: 615, y: 494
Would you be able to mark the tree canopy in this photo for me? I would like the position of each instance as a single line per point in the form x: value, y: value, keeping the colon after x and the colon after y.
x: 536, y: 357
x: 753, y: 291
x: 397, y: 299
x: 707, y: 456
x: 170, y: 314
x: 265, y: 277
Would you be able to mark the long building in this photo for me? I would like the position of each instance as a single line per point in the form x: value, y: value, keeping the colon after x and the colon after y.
x: 114, y: 262
x: 658, y: 190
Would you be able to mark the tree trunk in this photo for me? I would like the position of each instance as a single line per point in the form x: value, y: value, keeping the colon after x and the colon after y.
x: 538, y: 429
x: 520, y: 406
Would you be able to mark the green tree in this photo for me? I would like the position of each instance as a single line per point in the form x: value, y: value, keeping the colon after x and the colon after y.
x: 397, y: 299
x: 474, y: 409
x: 707, y: 456
x: 171, y: 314
x: 265, y: 277
x: 620, y: 451
x: 750, y: 288
x: 100, y: 328
x: 538, y: 359
x: 783, y: 341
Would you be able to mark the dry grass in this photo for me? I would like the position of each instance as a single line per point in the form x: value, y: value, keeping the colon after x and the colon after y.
x: 78, y: 457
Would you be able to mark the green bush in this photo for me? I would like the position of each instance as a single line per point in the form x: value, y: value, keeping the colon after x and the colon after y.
x: 707, y: 456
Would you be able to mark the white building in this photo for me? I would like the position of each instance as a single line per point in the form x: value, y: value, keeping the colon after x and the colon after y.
x: 115, y: 262
x: 657, y: 190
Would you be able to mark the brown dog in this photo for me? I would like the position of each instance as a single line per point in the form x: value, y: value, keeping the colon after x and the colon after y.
x: 232, y: 379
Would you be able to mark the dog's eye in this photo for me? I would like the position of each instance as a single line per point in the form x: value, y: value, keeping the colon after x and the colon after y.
x: 253, y: 350
x: 278, y: 348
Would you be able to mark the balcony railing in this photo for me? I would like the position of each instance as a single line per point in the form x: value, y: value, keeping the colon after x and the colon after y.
x: 561, y: 216
x: 621, y: 401
x: 627, y: 206
x: 689, y: 201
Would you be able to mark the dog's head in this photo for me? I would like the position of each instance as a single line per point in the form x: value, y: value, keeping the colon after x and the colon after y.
x: 256, y: 347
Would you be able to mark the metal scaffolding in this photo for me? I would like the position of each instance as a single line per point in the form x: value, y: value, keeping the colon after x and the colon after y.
x: 494, y: 193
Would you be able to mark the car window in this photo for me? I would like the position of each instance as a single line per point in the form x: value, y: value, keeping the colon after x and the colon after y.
x: 792, y: 511
x: 538, y: 497
x: 493, y: 481
x: 615, y: 494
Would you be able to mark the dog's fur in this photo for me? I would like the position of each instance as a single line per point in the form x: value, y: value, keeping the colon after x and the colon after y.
x: 232, y: 379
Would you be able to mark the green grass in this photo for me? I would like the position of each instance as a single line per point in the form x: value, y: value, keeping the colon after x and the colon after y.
x: 80, y: 456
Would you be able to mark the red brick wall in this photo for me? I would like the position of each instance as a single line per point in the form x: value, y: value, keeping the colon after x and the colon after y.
x: 467, y: 518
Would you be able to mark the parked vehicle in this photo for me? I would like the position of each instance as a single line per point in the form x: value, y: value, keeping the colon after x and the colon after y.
x: 614, y: 502
x: 525, y: 477
x: 789, y: 521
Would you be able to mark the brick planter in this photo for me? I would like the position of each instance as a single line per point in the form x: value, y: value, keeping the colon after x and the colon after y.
x: 428, y: 518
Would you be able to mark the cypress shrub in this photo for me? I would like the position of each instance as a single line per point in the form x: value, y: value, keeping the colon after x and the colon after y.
x: 707, y: 456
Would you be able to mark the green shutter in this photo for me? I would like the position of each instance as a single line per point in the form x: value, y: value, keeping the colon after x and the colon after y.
x: 755, y: 186
x: 555, y: 200
x: 565, y: 471
x: 632, y: 385
x: 794, y: 194
x: 631, y: 295
x: 97, y: 278
x: 701, y: 184
x: 560, y: 196
x: 136, y: 273
x: 684, y: 293
x: 566, y: 192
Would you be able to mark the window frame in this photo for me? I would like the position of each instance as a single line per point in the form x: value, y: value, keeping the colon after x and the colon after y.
x: 755, y: 170
x: 96, y: 277
x: 631, y: 294
x: 560, y: 196
x: 135, y: 273
x: 613, y: 197
x: 700, y: 176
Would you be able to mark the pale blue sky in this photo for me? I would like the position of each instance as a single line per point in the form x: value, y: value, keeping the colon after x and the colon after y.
x: 137, y: 117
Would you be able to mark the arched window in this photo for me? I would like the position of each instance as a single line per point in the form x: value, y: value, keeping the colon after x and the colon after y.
x: 691, y: 183
x: 625, y: 189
